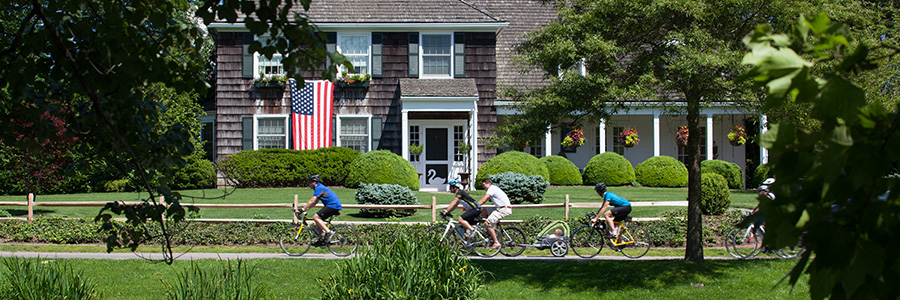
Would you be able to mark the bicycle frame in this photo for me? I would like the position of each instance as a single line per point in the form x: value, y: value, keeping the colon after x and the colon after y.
x: 315, y: 229
x: 623, y: 231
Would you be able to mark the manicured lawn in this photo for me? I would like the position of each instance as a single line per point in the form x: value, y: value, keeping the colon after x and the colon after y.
x: 741, y: 198
x: 296, y: 278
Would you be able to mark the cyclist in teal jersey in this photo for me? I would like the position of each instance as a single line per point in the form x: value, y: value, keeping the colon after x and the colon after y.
x: 621, y: 208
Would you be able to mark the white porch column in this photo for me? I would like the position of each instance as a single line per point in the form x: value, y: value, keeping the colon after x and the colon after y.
x: 548, y: 142
x: 763, y: 152
x: 602, y: 130
x: 656, y: 133
x: 474, y: 159
x: 404, y: 135
x: 709, y: 137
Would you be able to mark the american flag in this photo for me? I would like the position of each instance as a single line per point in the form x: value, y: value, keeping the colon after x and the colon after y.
x: 311, y: 109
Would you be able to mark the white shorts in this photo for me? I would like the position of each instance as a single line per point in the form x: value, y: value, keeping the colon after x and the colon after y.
x: 498, y: 214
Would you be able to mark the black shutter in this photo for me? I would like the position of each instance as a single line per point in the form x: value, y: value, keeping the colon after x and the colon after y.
x: 376, y: 69
x: 376, y: 132
x: 459, y: 55
x: 247, y: 133
x: 413, y: 54
x: 330, y: 46
x: 247, y: 61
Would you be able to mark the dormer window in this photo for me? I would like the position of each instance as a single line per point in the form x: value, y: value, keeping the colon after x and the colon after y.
x: 437, y: 55
x: 356, y: 47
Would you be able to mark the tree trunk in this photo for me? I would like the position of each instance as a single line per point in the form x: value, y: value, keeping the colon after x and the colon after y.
x: 694, y: 239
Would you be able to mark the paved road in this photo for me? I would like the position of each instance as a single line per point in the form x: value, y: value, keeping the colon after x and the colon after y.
x: 198, y: 255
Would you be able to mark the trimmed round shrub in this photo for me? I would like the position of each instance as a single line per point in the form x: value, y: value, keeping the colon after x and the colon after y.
x: 762, y: 172
x: 198, y: 173
x: 521, y: 188
x: 661, y: 171
x: 385, y: 194
x: 562, y: 171
x: 381, y: 166
x: 512, y: 161
x: 609, y: 167
x: 714, y: 194
x: 288, y: 168
x: 729, y: 170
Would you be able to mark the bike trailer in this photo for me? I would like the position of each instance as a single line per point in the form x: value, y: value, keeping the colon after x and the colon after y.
x: 554, y: 230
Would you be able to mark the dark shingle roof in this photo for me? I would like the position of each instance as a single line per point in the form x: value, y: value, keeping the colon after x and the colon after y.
x: 461, y: 87
x: 396, y: 11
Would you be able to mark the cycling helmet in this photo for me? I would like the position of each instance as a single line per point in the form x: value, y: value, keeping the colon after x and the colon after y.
x: 315, y: 178
x: 600, y: 187
x: 765, y: 184
x: 455, y: 183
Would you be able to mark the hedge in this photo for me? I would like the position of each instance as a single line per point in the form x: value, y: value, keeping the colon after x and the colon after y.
x: 385, y: 194
x: 198, y: 173
x: 714, y: 194
x: 521, y: 188
x: 512, y: 161
x: 609, y: 167
x: 661, y: 171
x: 729, y: 170
x: 562, y: 170
x: 762, y: 172
x: 288, y: 168
x: 382, y: 166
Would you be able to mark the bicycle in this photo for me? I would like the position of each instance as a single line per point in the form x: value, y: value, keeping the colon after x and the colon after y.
x: 745, y: 243
x: 452, y: 235
x: 296, y: 238
x: 512, y: 240
x: 632, y: 241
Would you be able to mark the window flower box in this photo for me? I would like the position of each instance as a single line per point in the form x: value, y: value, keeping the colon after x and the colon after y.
x: 353, y: 80
x: 269, y: 81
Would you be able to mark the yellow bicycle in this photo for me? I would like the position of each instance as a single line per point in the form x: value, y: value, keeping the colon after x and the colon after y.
x: 296, y: 238
x: 632, y: 241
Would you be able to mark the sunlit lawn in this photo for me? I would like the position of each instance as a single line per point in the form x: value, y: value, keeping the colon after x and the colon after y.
x: 740, y: 198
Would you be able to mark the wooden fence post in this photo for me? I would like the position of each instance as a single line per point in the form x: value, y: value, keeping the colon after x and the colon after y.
x: 296, y: 203
x: 30, y: 207
x: 567, y: 206
x: 433, y: 209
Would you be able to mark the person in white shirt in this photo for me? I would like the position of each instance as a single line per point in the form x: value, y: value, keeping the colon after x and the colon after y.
x: 503, y: 209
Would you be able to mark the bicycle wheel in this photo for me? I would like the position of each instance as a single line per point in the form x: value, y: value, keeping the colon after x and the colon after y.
x: 788, y: 252
x: 450, y: 239
x: 729, y: 245
x: 633, y: 241
x: 586, y: 242
x: 344, y: 241
x: 482, y: 241
x: 295, y: 240
x: 513, y: 240
x: 745, y: 242
x: 559, y: 248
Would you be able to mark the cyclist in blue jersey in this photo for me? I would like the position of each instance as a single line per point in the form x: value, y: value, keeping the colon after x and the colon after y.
x: 328, y: 198
x: 621, y: 208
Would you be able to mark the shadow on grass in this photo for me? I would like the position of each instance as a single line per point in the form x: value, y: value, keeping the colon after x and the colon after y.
x: 24, y: 212
x: 606, y: 275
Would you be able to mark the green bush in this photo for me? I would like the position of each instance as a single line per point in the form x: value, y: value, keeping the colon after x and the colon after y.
x: 198, y: 173
x: 118, y: 185
x: 609, y: 167
x: 382, y: 166
x: 661, y: 171
x: 385, y: 194
x: 288, y: 168
x: 729, y: 170
x: 714, y: 194
x: 28, y: 278
x: 520, y: 188
x: 672, y: 229
x: 512, y: 161
x: 562, y: 171
x: 762, y: 172
x: 229, y: 280
x: 405, y: 268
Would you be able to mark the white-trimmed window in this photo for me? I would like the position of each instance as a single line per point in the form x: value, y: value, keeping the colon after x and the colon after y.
x: 356, y: 47
x: 617, y: 142
x: 459, y: 135
x: 436, y: 55
x: 270, y: 131
x: 683, y: 150
x: 535, y: 148
x: 354, y: 132
x: 265, y: 66
x: 414, y: 138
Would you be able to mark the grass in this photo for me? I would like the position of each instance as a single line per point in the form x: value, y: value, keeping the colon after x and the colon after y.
x: 741, y: 198
x: 675, y: 279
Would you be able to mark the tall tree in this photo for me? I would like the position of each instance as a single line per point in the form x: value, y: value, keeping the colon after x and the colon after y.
x: 682, y: 51
x: 88, y: 61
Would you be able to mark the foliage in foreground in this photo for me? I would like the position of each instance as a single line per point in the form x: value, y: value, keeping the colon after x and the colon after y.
x: 227, y: 280
x: 39, y: 279
x: 405, y: 268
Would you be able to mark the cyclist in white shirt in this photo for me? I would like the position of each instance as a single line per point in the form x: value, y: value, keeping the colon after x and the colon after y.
x: 503, y: 209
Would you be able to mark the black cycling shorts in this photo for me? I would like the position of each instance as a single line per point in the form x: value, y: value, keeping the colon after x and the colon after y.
x: 327, y: 212
x: 470, y: 215
x: 620, y: 212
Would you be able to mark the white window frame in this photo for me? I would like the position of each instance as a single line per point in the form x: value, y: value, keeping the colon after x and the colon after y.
x: 422, y: 74
x: 368, y: 134
x: 257, y: 64
x: 368, y: 36
x: 256, y: 135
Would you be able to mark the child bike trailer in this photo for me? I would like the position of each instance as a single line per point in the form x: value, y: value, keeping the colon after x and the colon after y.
x: 555, y: 236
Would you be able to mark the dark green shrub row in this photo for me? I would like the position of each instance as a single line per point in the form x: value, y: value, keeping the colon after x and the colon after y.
x: 288, y: 168
x: 198, y: 173
x: 730, y: 171
x: 384, y: 167
x: 715, y: 197
x: 661, y: 171
x: 512, y: 161
x: 562, y: 170
x: 385, y: 194
x: 521, y: 188
x: 609, y: 167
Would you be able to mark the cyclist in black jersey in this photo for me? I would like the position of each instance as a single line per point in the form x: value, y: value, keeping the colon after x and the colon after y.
x: 470, y: 206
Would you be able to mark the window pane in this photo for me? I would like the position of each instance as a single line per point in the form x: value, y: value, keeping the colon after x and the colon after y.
x: 354, y: 126
x: 436, y: 65
x: 360, y: 63
x: 354, y: 44
x: 358, y: 143
x: 266, y: 142
x: 271, y: 126
x: 436, y: 44
x: 270, y: 66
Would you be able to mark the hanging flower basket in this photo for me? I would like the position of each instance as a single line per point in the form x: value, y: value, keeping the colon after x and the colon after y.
x: 737, y: 136
x: 681, y: 136
x: 629, y: 137
x: 575, y: 138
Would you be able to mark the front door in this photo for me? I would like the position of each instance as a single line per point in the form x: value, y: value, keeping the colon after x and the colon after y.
x: 437, y: 157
